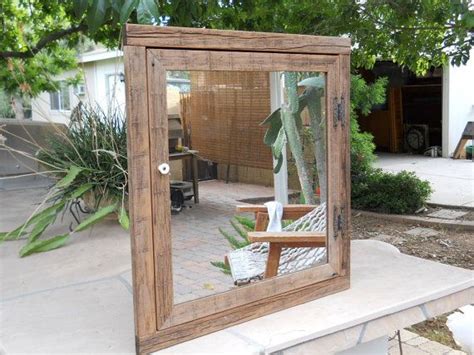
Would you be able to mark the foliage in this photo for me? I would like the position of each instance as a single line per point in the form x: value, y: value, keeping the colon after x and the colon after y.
x: 414, y: 34
x: 6, y: 110
x: 241, y: 225
x: 373, y: 189
x: 363, y: 97
x: 285, y: 125
x: 385, y: 192
x: 89, y: 159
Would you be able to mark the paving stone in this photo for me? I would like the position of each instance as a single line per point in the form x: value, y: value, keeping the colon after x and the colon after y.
x: 433, y: 347
x: 455, y: 352
x: 407, y: 350
x: 447, y: 214
x: 422, y: 232
x: 416, y: 341
x: 89, y: 318
x: 407, y: 335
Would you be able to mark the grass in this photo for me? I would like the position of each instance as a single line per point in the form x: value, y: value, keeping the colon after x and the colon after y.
x: 436, y: 329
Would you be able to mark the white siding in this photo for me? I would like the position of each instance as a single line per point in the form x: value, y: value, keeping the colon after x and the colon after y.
x: 458, y: 103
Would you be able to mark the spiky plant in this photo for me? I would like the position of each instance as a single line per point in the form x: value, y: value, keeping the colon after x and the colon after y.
x: 88, y: 159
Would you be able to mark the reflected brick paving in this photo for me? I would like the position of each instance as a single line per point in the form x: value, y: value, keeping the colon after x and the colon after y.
x: 197, y: 240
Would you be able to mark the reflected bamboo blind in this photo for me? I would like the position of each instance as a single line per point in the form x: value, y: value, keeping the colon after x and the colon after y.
x: 224, y: 113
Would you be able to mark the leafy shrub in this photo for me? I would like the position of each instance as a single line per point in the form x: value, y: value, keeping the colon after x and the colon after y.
x: 386, y: 192
x: 363, y: 97
x: 89, y: 159
x: 373, y: 189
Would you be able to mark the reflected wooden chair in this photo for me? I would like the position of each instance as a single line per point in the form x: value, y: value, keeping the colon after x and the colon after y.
x: 300, y: 245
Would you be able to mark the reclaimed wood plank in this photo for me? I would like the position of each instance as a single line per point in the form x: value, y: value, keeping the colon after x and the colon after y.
x: 200, y: 38
x: 160, y: 188
x: 281, y: 237
x: 265, y: 305
x: 273, y: 260
x: 141, y: 232
x: 345, y: 167
x: 240, y: 61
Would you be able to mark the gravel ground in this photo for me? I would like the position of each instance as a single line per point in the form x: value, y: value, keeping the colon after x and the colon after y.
x: 447, y: 246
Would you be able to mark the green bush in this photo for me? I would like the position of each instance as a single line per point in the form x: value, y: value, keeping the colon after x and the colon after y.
x: 363, y: 97
x: 374, y: 189
x: 385, y: 192
x: 90, y: 163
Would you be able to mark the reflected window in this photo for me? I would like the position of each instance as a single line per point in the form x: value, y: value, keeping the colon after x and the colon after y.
x: 60, y: 100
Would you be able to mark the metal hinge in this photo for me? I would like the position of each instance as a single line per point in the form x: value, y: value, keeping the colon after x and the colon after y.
x: 338, y: 221
x: 339, y: 113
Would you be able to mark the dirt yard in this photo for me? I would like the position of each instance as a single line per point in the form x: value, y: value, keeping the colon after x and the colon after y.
x: 439, y: 244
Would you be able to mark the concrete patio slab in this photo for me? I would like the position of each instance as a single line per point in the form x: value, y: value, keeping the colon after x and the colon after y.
x: 79, y: 298
x: 447, y: 214
x: 93, y: 317
x: 452, y: 180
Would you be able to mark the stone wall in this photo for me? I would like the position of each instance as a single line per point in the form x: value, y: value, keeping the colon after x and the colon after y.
x: 23, y: 136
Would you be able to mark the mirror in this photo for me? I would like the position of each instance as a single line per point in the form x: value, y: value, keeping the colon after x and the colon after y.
x: 239, y: 138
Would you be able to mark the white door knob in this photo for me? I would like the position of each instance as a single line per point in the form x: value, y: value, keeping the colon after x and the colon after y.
x: 164, y: 169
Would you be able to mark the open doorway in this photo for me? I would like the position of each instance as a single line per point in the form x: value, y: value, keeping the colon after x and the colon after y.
x: 411, y: 119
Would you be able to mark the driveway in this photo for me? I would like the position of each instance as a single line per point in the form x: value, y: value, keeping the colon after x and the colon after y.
x: 452, y: 180
x: 78, y: 299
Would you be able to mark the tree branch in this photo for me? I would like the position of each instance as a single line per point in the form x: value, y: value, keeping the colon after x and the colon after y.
x: 43, y: 42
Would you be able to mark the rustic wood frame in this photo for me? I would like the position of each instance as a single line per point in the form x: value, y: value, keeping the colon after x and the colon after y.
x: 148, y: 52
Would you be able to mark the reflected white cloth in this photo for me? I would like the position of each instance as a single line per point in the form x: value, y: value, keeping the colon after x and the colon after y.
x: 275, y: 212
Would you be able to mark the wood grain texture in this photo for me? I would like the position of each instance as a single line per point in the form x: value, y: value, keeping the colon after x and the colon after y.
x: 267, y: 304
x: 273, y: 260
x: 290, y: 212
x: 159, y: 323
x: 261, y: 221
x: 282, y: 237
x: 160, y: 188
x: 333, y: 162
x: 239, y: 298
x: 345, y: 166
x: 140, y: 205
x: 240, y: 61
x: 199, y: 38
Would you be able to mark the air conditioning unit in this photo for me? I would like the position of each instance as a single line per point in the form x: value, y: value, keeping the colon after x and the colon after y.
x: 80, y: 90
x: 416, y: 138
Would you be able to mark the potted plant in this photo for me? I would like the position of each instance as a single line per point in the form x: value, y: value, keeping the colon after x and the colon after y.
x: 89, y: 163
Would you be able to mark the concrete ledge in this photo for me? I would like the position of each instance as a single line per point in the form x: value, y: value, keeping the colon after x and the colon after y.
x: 389, y: 291
x: 424, y: 221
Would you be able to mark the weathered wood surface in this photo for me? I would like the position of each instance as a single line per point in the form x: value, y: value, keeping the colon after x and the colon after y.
x: 160, y: 189
x: 174, y: 59
x: 282, y: 237
x: 467, y: 135
x: 345, y: 167
x: 263, y: 291
x: 160, y: 323
x: 273, y: 261
x: 200, y: 38
x: 264, y: 305
x: 289, y: 211
x: 261, y: 221
x: 140, y: 201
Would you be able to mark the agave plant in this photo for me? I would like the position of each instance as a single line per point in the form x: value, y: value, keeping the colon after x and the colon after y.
x: 241, y: 225
x: 89, y: 162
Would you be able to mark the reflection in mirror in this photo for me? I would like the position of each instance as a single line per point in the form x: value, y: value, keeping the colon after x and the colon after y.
x: 241, y: 138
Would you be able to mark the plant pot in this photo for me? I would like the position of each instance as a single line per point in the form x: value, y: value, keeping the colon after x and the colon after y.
x: 90, y: 200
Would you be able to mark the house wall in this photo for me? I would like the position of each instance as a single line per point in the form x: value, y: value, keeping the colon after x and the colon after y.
x: 41, y: 107
x: 458, y: 103
x: 102, y: 86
